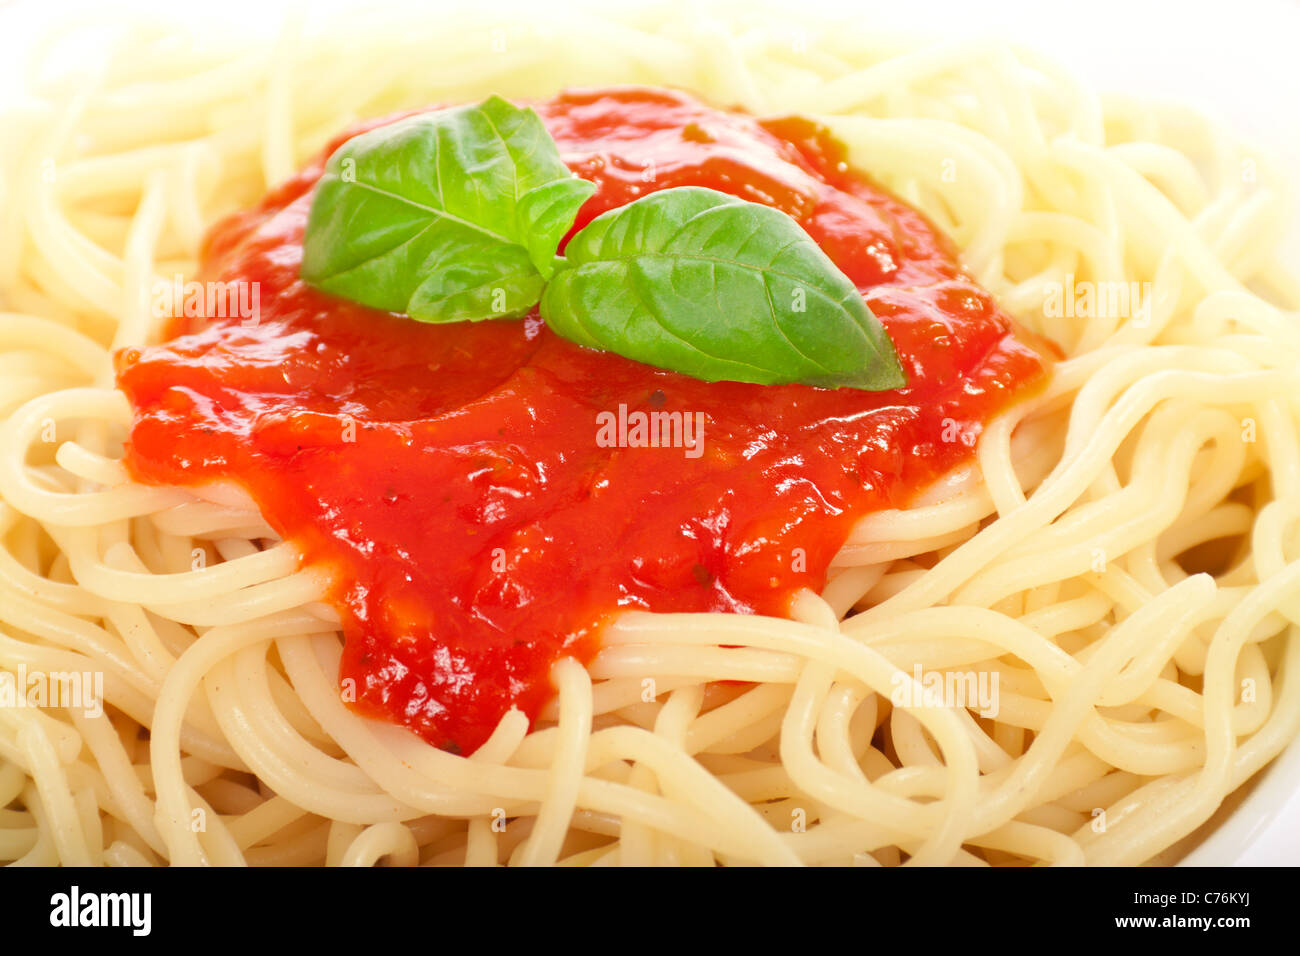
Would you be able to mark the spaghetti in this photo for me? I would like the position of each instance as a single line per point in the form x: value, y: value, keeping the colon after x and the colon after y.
x: 1118, y: 561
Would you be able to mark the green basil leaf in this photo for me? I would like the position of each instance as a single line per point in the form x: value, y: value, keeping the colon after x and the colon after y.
x: 699, y: 282
x: 448, y: 216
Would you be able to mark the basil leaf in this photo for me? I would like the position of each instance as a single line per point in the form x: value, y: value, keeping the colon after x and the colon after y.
x: 703, y: 283
x: 447, y: 216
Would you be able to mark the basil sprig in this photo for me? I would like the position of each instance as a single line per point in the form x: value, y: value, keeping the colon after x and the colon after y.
x: 720, y: 289
x: 457, y: 215
x: 450, y: 216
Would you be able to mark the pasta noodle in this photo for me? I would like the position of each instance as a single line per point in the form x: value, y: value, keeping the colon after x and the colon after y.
x: 1120, y: 566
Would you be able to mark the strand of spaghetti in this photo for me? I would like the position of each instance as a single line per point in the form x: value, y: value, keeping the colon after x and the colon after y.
x: 673, y: 724
x: 56, y: 797
x: 749, y: 839
x: 277, y: 138
x: 1180, y: 602
x: 696, y: 663
x: 45, y: 852
x: 16, y: 842
x: 505, y: 740
x: 864, y: 664
x: 112, y: 761
x: 297, y: 591
x: 92, y: 467
x: 241, y: 700
x: 1125, y: 839
x: 783, y: 637
x: 963, y: 771
x: 174, y: 809
x: 22, y: 429
x: 638, y: 845
x: 119, y: 853
x: 340, y: 838
x: 124, y: 686
x: 391, y: 840
x: 574, y: 687
x: 1145, y: 507
x: 711, y: 732
x: 998, y: 467
x: 367, y: 744
x: 835, y: 730
x: 1073, y: 476
x: 1220, y: 742
x: 81, y: 266
x: 18, y: 577
x: 19, y: 331
x: 217, y: 846
x: 1026, y: 840
x: 481, y: 843
x: 263, y: 821
x: 402, y: 765
x: 219, y: 582
x: 137, y: 265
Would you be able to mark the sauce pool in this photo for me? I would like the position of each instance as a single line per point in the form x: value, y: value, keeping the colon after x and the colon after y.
x: 479, y: 492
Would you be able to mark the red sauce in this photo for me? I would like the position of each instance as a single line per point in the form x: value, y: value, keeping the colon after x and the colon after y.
x: 451, y: 478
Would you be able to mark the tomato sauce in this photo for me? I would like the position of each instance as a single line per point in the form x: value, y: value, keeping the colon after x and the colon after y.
x: 454, y: 480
